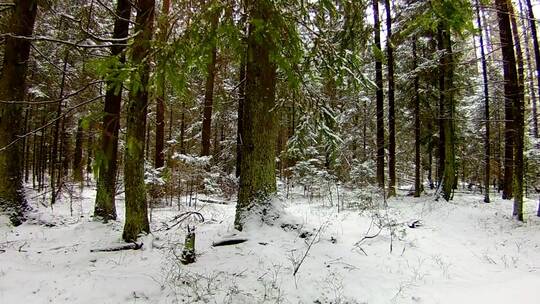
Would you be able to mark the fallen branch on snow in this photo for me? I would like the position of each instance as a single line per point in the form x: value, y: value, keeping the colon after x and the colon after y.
x: 132, y: 246
x: 227, y: 242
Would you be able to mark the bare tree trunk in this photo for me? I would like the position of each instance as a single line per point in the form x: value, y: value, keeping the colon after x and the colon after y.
x: 77, y: 156
x: 55, y: 160
x: 510, y: 94
x: 159, y: 158
x: 241, y: 98
x: 209, y: 90
x: 12, y: 87
x: 379, y: 96
x: 487, y: 152
x: 513, y: 108
x: 105, y: 207
x: 417, y: 164
x: 183, y: 128
x: 447, y: 171
x: 530, y: 74
x: 536, y: 49
x: 391, y: 110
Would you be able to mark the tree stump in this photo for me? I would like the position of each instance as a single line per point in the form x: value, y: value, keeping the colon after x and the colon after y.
x: 188, y: 253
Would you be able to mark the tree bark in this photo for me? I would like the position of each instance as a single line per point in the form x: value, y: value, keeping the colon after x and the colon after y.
x: 241, y: 98
x: 159, y: 158
x: 513, y: 112
x: 487, y: 151
x: 379, y: 97
x: 209, y: 89
x: 417, y: 164
x: 511, y: 95
x: 530, y: 74
x: 105, y: 207
x: 77, y: 156
x: 12, y: 87
x: 536, y: 49
x: 391, y: 110
x: 260, y: 124
x: 136, y: 203
x: 56, y: 172
x: 446, y: 113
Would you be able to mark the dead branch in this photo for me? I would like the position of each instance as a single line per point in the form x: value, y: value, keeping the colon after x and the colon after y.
x: 227, y: 242
x: 132, y: 246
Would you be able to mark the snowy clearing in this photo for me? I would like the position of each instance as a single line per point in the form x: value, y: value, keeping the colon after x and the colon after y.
x: 464, y: 251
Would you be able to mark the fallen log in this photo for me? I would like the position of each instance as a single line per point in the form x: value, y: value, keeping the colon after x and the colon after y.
x: 227, y: 242
x: 132, y: 246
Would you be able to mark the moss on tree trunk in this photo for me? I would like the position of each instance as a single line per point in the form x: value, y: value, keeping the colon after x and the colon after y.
x: 108, y: 154
x: 260, y: 124
x: 136, y: 204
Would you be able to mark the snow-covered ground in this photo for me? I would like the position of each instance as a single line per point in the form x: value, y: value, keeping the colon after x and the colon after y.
x: 464, y: 251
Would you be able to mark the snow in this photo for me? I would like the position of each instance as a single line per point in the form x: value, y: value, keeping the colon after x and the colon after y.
x: 464, y: 251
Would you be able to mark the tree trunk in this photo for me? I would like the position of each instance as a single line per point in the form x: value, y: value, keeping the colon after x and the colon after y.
x: 530, y: 74
x: 417, y: 164
x: 260, y: 123
x: 391, y: 110
x: 487, y: 151
x: 108, y: 150
x: 519, y: 108
x: 55, y: 174
x: 77, y: 156
x: 26, y: 144
x: 446, y: 113
x: 183, y: 129
x: 241, y: 99
x: 536, y: 49
x: 12, y: 87
x: 510, y: 93
x: 136, y: 203
x: 209, y: 90
x: 159, y: 158
x: 379, y: 96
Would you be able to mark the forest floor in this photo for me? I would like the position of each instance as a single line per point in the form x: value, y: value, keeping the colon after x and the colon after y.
x: 463, y: 251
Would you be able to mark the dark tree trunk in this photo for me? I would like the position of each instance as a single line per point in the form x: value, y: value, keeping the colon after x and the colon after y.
x: 136, y: 203
x: 209, y: 90
x: 159, y: 157
x: 56, y: 172
x: 513, y: 112
x: 519, y: 127
x: 511, y: 94
x: 89, y: 152
x: 108, y: 150
x: 241, y: 99
x: 379, y: 96
x: 183, y: 129
x: 26, y: 144
x: 391, y: 110
x: 536, y: 49
x: 446, y: 113
x: 12, y: 87
x: 530, y: 70
x: 260, y: 123
x: 78, y: 154
x: 487, y: 151
x: 417, y: 164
